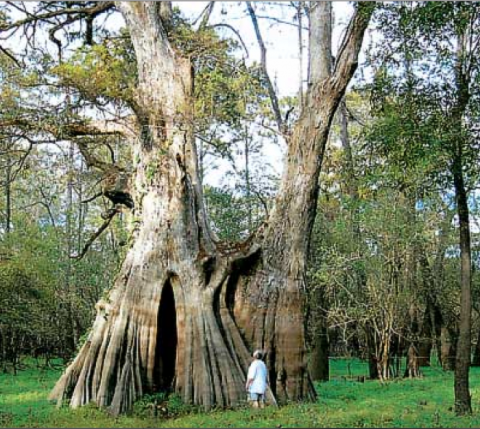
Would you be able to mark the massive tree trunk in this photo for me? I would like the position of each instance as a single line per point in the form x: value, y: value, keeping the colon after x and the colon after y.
x: 185, y: 313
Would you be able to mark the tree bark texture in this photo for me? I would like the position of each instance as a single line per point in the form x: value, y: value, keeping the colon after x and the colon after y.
x: 185, y: 313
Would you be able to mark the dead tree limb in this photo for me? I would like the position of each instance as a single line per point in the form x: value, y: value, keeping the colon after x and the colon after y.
x: 108, y: 216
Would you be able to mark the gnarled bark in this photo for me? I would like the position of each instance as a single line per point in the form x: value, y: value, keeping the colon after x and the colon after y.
x: 185, y: 313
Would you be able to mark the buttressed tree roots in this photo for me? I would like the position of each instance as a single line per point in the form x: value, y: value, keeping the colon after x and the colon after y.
x: 184, y: 313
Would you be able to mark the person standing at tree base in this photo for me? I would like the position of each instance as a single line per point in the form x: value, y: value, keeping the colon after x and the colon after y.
x: 257, y: 380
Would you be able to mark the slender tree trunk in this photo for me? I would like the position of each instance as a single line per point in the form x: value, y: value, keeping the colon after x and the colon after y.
x: 82, y: 211
x: 300, y: 54
x: 8, y: 197
x: 3, y: 338
x: 185, y: 313
x: 463, y: 357
x: 439, y: 322
x: 464, y: 347
x: 69, y: 331
x: 413, y: 369
x: 247, y: 180
x: 372, y: 357
x: 319, y: 363
x: 416, y: 331
x: 448, y: 351
x: 476, y: 353
x: 425, y: 342
x: 431, y: 323
x: 349, y: 165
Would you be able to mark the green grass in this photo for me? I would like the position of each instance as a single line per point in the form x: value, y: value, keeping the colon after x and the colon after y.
x: 424, y: 402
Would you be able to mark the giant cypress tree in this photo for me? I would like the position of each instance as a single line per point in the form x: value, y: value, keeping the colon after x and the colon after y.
x: 185, y: 312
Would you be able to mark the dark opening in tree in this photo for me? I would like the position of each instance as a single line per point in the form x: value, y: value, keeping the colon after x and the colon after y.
x: 166, y: 348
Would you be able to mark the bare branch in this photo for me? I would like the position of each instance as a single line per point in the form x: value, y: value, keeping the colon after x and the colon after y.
x: 47, y: 206
x: 236, y: 33
x: 108, y: 216
x: 281, y: 21
x: 263, y: 62
x: 262, y: 201
x: 94, y: 197
x: 80, y: 12
x: 11, y: 56
x: 93, y: 161
x: 205, y: 15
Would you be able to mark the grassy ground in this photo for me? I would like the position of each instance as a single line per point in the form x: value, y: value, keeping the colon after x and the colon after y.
x: 423, y: 402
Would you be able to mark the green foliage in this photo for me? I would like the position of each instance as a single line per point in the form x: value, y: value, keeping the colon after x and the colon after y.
x: 224, y: 85
x: 48, y: 299
x: 35, y: 297
x: 106, y: 70
x: 162, y: 405
x: 229, y: 214
x: 234, y: 213
x: 415, y: 93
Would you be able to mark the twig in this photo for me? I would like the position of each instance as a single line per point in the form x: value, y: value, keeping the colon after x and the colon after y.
x: 236, y: 33
x: 9, y: 55
x: 94, y: 197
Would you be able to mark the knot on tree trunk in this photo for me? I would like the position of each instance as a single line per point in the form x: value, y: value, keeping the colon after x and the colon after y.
x: 116, y: 187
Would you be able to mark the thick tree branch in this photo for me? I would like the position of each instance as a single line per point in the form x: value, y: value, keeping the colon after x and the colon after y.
x: 320, y: 36
x: 347, y: 57
x: 93, y: 11
x: 166, y: 14
x: 72, y: 131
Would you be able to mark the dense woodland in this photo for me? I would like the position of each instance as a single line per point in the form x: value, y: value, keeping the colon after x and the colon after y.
x: 118, y: 256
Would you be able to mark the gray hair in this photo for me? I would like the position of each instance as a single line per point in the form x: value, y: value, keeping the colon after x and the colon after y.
x: 258, y: 354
